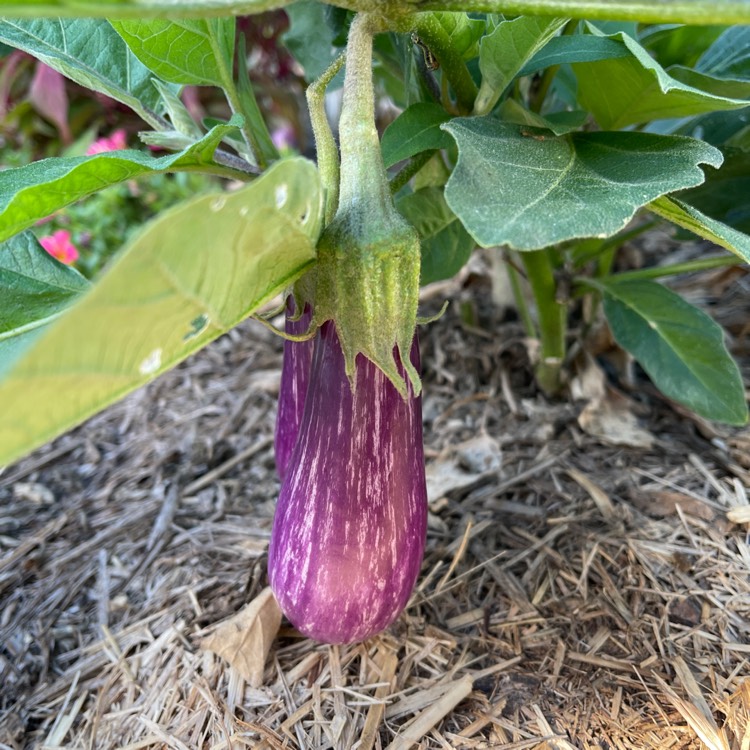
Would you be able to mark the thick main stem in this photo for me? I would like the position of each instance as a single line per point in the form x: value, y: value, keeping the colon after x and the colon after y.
x: 360, y: 149
x: 552, y: 317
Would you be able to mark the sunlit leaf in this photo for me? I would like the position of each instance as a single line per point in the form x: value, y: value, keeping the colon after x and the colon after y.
x: 189, y: 276
x: 195, y: 52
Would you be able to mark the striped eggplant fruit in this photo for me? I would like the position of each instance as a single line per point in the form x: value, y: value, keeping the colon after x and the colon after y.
x: 295, y: 374
x: 349, y: 531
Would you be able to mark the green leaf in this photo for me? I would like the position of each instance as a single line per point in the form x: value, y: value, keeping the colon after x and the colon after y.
x: 197, y: 52
x: 310, y: 39
x: 573, y: 49
x: 729, y: 55
x: 90, y: 53
x: 35, y: 289
x: 446, y: 245
x: 188, y: 277
x: 415, y: 130
x: 462, y: 32
x: 531, y: 190
x: 634, y: 89
x: 687, y: 217
x: 36, y: 190
x: 679, y: 346
x: 677, y: 45
x: 504, y: 52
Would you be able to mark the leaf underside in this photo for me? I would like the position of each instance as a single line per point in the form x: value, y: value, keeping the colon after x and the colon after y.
x: 189, y: 276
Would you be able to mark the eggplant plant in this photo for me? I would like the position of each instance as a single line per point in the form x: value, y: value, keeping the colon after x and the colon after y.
x: 548, y: 131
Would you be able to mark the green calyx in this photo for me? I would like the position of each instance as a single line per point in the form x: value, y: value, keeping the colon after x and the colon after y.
x: 367, y: 276
x: 368, y: 283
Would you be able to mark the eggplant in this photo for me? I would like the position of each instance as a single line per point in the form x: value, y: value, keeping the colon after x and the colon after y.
x: 295, y: 373
x: 350, y: 525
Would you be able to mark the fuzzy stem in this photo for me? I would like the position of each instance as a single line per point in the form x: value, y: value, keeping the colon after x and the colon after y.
x: 432, y: 33
x: 325, y: 144
x: 552, y: 317
x: 364, y: 182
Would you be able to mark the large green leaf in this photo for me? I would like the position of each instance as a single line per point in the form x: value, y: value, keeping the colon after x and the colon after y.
x: 633, y: 89
x: 446, y: 245
x: 90, y: 53
x: 197, y: 52
x: 35, y: 289
x: 416, y: 129
x: 36, y: 190
x: 504, y: 52
x: 688, y: 217
x: 189, y: 276
x: 525, y: 188
x: 679, y: 346
x: 679, y: 11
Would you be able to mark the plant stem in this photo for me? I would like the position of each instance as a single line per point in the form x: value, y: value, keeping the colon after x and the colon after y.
x: 325, y: 144
x: 690, y: 266
x: 552, y: 318
x: 523, y: 309
x: 432, y: 33
x: 726, y: 13
x: 251, y: 111
x: 360, y: 148
x: 254, y: 129
x: 407, y: 172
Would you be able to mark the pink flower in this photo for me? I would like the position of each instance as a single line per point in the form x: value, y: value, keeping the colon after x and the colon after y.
x: 59, y: 246
x: 116, y: 142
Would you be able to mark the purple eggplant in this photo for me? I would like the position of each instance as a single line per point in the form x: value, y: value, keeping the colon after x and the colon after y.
x: 295, y: 373
x: 349, y: 531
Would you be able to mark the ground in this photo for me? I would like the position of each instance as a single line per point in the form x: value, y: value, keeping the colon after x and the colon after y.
x: 576, y: 592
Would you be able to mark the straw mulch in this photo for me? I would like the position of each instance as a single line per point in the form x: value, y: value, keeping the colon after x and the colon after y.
x: 575, y: 593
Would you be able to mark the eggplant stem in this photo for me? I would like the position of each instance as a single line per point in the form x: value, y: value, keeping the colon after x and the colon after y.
x: 325, y: 144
